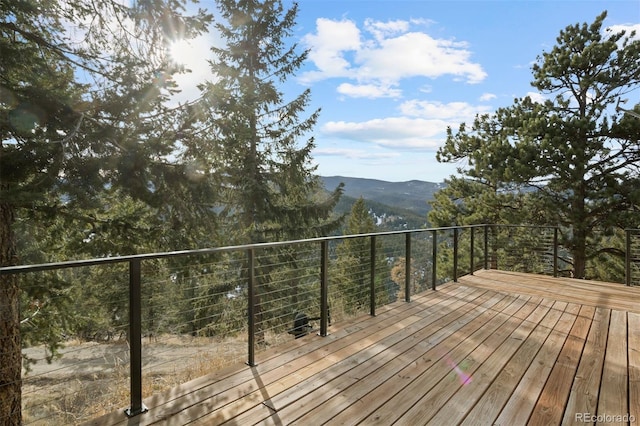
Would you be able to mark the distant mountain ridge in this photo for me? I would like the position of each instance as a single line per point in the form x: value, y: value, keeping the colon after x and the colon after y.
x: 412, y: 195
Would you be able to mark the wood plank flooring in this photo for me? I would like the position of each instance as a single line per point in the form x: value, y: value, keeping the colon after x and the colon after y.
x: 586, y: 292
x: 495, y: 348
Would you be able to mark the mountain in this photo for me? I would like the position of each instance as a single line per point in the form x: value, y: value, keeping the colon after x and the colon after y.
x: 395, y: 205
x: 412, y: 195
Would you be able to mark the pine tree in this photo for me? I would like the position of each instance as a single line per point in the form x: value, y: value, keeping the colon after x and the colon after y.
x: 35, y: 105
x: 354, y: 262
x: 84, y: 92
x: 573, y: 149
x: 253, y: 135
x: 254, y: 138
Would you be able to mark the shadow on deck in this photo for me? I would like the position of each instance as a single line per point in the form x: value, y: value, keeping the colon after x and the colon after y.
x: 494, y: 348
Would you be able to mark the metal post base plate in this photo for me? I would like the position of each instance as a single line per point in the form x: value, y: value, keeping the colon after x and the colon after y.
x: 132, y: 413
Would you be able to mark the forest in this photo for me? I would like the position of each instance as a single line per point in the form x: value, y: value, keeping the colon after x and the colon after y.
x: 96, y: 161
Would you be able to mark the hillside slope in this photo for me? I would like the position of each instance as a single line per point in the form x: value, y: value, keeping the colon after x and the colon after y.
x: 413, y: 195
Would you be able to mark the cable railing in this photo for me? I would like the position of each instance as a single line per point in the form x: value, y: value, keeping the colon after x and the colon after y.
x: 632, y: 257
x: 131, y: 326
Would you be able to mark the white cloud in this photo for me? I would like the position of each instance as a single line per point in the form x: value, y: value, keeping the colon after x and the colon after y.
x: 417, y: 55
x: 452, y: 111
x: 381, y: 30
x: 354, y: 154
x: 390, y: 54
x: 421, y: 126
x: 327, y: 47
x: 392, y: 132
x: 536, y: 97
x: 628, y: 28
x: 371, y: 91
x: 487, y: 97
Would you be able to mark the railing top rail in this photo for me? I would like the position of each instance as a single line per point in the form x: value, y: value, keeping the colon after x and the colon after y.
x: 7, y: 270
x: 507, y: 225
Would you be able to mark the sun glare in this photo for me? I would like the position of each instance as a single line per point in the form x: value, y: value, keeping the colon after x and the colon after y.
x: 192, y: 56
x: 181, y: 52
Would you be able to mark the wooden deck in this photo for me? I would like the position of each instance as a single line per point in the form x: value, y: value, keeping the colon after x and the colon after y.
x: 495, y: 348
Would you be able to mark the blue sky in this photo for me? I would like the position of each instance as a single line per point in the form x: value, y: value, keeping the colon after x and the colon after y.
x: 391, y: 75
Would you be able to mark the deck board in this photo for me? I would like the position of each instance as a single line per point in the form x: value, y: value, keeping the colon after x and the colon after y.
x: 522, y: 400
x: 384, y: 380
x: 583, y: 397
x: 615, y: 371
x: 550, y: 406
x: 434, y: 365
x: 494, y: 399
x: 494, y: 348
x: 633, y: 325
x: 467, y: 397
x: 351, y: 369
x: 479, y: 348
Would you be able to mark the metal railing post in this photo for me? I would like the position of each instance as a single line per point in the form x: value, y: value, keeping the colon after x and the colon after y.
x: 372, y: 283
x: 455, y: 255
x: 472, y: 252
x: 324, y: 287
x: 486, y: 246
x: 135, y: 339
x: 434, y: 258
x: 407, y: 267
x: 627, y: 258
x: 251, y: 361
x: 555, y: 251
x: 494, y: 251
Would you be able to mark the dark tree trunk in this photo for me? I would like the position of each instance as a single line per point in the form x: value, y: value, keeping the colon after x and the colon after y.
x: 10, y: 348
x: 579, y: 257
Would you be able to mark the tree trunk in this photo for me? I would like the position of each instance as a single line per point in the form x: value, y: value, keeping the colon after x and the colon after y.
x: 580, y: 229
x: 10, y: 347
x: 579, y: 255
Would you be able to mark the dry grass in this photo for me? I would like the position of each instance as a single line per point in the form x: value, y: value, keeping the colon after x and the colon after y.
x: 92, y: 379
x: 62, y: 393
